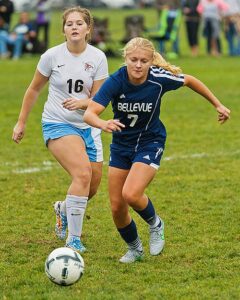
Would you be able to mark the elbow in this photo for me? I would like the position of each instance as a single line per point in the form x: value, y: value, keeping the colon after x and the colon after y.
x: 85, y: 117
x: 91, y: 119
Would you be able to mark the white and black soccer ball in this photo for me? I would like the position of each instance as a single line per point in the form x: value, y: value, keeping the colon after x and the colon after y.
x: 64, y: 266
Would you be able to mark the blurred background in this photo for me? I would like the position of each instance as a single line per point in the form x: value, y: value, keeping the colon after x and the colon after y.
x: 177, y: 27
x: 197, y: 188
x: 21, y: 5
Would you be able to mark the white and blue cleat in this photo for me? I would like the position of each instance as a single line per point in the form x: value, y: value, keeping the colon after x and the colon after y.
x: 61, y: 221
x: 75, y: 244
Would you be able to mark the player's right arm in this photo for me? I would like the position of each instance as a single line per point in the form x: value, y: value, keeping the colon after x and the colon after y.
x: 91, y: 117
x: 98, y: 104
x: 29, y: 99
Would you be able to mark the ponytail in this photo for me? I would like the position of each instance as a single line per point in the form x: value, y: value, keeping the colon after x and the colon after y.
x: 159, y: 61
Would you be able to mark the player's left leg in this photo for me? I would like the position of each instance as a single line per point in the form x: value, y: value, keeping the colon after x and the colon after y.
x: 93, y: 142
x: 96, y: 178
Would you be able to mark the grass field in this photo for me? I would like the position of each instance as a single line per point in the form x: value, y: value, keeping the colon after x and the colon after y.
x: 196, y: 191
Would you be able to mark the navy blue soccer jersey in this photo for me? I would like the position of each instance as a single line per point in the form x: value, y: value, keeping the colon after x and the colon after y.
x: 138, y: 106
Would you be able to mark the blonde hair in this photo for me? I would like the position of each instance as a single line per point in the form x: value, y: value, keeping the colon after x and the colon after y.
x: 87, y: 17
x: 158, y: 60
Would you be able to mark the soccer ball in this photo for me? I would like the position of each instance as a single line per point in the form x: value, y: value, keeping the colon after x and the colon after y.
x: 64, y: 266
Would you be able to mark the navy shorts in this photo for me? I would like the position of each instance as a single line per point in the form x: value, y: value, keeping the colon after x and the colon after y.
x: 91, y: 137
x: 123, y: 158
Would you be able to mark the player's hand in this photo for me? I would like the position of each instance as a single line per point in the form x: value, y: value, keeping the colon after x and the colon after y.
x: 112, y: 125
x: 18, y: 132
x: 223, y: 113
x: 72, y: 104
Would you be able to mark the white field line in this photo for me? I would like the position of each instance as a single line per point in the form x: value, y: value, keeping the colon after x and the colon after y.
x: 201, y: 155
x: 37, y: 167
x: 48, y: 165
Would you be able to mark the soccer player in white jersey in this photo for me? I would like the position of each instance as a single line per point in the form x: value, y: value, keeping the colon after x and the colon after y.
x: 75, y: 71
x: 135, y: 92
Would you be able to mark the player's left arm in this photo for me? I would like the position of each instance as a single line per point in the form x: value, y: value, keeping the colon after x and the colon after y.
x: 200, y: 88
x: 74, y: 104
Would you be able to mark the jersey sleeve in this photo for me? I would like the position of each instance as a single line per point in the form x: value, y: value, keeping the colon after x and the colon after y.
x: 102, y: 69
x: 45, y: 64
x: 167, y: 79
x: 106, y: 93
x: 173, y: 82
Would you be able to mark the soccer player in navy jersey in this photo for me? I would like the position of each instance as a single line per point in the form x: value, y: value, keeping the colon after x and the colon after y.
x: 135, y: 92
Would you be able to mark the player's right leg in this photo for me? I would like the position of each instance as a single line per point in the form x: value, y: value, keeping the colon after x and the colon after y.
x: 71, y: 154
x: 60, y: 206
x: 93, y: 144
x: 122, y: 219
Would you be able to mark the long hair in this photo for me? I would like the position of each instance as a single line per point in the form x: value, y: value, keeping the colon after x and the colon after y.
x: 158, y: 60
x: 87, y: 17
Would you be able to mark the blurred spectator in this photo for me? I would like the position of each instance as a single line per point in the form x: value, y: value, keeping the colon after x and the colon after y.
x: 43, y: 20
x: 3, y: 37
x: 169, y: 12
x: 146, y: 3
x: 232, y: 26
x: 6, y: 11
x: 101, y: 37
x: 134, y: 27
x: 23, y: 35
x: 101, y: 32
x: 211, y: 11
x: 192, y: 20
x: 170, y: 4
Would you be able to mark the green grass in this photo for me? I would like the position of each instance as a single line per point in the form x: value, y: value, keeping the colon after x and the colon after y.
x: 196, y: 191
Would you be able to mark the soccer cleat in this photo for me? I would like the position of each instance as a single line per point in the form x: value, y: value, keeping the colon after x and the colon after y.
x: 157, y: 241
x: 75, y: 243
x: 131, y: 256
x: 61, y: 221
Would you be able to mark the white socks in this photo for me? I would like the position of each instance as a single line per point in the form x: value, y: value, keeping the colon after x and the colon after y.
x: 75, y: 207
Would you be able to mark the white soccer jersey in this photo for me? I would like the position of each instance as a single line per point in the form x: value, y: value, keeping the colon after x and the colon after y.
x: 70, y: 76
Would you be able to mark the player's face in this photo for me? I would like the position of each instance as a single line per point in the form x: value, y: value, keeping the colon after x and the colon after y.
x: 75, y: 28
x: 138, y: 64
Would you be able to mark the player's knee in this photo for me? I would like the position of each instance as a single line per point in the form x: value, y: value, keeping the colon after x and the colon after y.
x: 82, y: 177
x: 117, y: 210
x: 130, y: 196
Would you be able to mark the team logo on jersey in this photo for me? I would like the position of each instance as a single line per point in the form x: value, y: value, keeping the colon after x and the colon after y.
x: 122, y: 96
x: 88, y: 66
x: 146, y: 157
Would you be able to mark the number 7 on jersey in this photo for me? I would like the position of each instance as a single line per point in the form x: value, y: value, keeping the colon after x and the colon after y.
x: 134, y: 119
